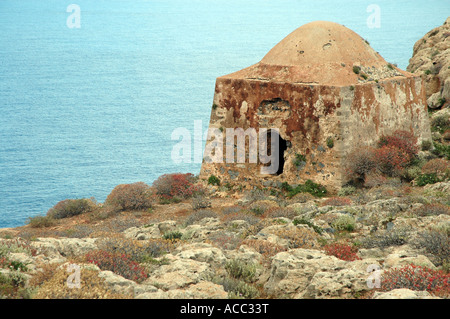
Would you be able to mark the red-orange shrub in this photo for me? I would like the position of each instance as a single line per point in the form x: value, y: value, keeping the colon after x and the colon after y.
x: 391, y: 159
x: 120, y: 264
x: 342, y: 251
x: 136, y: 196
x: 177, y: 185
x: 417, y: 278
x: 403, y: 140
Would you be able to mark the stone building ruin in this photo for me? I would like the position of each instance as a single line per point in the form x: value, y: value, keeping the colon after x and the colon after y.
x: 321, y: 92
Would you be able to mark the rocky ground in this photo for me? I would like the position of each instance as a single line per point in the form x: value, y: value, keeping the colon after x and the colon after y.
x: 253, y: 246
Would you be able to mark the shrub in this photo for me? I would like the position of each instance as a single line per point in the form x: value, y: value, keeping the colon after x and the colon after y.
x: 310, y: 187
x: 198, y: 216
x: 91, y: 286
x: 300, y: 160
x: 344, y: 223
x: 416, y: 278
x: 304, y: 221
x: 342, y: 251
x: 41, y: 221
x: 298, y: 237
x: 403, y: 140
x: 330, y: 142
x: 264, y: 247
x: 438, y: 166
x: 391, y: 159
x: 337, y: 201
x: 356, y: 69
x: 434, y: 209
x: 440, y: 123
x: 436, y: 243
x: 346, y: 190
x: 425, y: 179
x: 173, y: 235
x: 387, y: 238
x: 441, y: 150
x: 426, y: 145
x: 118, y: 263
x: 177, y: 185
x: 360, y: 162
x: 225, y: 240
x: 200, y: 202
x: 241, y: 270
x: 70, y: 208
x: 214, y: 180
x: 236, y: 288
x: 135, y: 196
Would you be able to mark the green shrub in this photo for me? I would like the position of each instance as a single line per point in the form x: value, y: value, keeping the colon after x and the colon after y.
x: 70, y: 208
x: 344, y: 223
x: 173, y: 235
x: 356, y: 69
x: 300, y: 160
x: 346, y: 190
x: 330, y: 142
x: 308, y: 187
x: 304, y: 221
x: 424, y: 179
x: 441, y: 150
x: 241, y: 270
x: 214, y: 180
x: 426, y: 145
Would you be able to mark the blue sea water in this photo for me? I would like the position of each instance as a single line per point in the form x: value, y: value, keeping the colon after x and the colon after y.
x: 85, y: 109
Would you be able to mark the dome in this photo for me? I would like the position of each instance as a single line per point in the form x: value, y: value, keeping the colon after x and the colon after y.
x: 321, y: 52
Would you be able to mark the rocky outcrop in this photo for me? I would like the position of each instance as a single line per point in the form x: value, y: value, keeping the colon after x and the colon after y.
x: 431, y: 58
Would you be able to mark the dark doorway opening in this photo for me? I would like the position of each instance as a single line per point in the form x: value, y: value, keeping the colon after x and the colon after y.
x: 281, y: 145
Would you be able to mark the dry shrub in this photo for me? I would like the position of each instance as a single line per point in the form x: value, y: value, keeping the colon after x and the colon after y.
x: 438, y: 166
x: 432, y: 210
x: 197, y: 216
x: 136, y: 250
x: 70, y: 208
x: 135, y: 196
x: 436, y: 243
x: 264, y: 247
x: 299, y: 237
x: 54, y: 286
x: 337, y: 201
x: 360, y: 162
x: 224, y: 240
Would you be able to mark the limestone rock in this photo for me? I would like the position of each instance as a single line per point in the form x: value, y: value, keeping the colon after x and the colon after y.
x: 431, y: 59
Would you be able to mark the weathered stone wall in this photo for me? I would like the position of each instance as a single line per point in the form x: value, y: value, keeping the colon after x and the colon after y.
x: 308, y: 116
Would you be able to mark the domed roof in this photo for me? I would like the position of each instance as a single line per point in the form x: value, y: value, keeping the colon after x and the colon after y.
x: 321, y: 52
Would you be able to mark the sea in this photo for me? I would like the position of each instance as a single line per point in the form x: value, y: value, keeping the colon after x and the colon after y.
x: 92, y: 91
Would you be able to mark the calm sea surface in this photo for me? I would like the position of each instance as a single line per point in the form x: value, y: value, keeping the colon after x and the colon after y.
x: 85, y: 109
